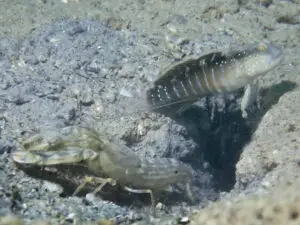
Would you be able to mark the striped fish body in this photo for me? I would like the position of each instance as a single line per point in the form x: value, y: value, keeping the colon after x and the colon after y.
x: 213, y: 73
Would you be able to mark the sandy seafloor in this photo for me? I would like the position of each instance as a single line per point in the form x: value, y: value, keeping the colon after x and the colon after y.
x: 70, y: 63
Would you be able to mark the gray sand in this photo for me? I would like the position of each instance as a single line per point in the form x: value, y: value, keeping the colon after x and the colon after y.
x: 72, y: 63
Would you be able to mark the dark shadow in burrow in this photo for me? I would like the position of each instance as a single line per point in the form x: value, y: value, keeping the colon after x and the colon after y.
x: 221, y: 138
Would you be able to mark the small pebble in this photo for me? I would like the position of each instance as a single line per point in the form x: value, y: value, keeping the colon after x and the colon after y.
x: 160, y: 206
x: 141, y: 129
x: 128, y: 70
x: 94, y: 67
x: 98, y: 106
x: 90, y: 197
x: 172, y: 28
x: 125, y: 93
x: 70, y: 217
x: 184, y: 220
x: 52, y: 187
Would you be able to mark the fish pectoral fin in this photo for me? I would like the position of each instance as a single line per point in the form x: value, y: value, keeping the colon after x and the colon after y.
x: 250, y: 96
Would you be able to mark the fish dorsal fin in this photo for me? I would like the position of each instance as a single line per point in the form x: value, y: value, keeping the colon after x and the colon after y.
x: 192, y: 63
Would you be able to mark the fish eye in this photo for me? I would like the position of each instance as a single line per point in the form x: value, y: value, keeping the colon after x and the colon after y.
x: 176, y: 171
x: 261, y: 47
